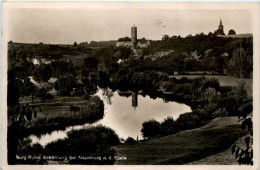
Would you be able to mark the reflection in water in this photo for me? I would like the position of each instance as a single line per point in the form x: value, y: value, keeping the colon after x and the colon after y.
x: 134, y: 99
x: 122, y: 117
x: 107, y: 95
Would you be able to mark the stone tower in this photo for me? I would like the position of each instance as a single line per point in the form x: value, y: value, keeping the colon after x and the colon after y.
x: 134, y: 34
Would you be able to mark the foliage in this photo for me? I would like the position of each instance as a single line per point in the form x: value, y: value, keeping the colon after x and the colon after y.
x: 168, y: 126
x: 124, y: 39
x: 42, y: 73
x: 210, y: 83
x: 188, y: 121
x: 61, y: 68
x: 231, y: 32
x: 15, y: 134
x: 65, y: 84
x: 209, y: 94
x: 99, y: 43
x: 43, y: 92
x: 244, y: 155
x: 150, y: 129
x: 221, y: 112
x: 239, y: 93
x: 91, y: 141
x: 90, y: 63
x: 241, y: 64
x: 130, y: 140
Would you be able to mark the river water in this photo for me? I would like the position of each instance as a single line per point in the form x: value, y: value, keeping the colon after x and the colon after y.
x: 124, y: 114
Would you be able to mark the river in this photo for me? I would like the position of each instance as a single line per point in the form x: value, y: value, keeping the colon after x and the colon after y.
x: 125, y: 114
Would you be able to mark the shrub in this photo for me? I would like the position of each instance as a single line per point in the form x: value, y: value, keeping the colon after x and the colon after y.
x: 203, y: 114
x: 188, y: 121
x: 209, y: 94
x: 150, y: 129
x: 167, y: 126
x: 95, y: 140
x: 221, y: 112
x: 130, y: 140
x: 245, y: 109
x: 210, y: 83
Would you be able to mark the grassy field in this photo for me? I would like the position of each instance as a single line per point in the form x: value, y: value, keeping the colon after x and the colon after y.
x: 225, y: 157
x: 185, y: 146
x: 56, y: 114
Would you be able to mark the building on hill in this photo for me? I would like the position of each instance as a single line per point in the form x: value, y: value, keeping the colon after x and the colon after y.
x: 133, y: 42
x: 143, y: 43
x: 220, y: 30
x: 125, y: 42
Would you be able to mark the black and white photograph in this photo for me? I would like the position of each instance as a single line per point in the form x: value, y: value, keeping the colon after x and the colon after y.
x: 129, y: 83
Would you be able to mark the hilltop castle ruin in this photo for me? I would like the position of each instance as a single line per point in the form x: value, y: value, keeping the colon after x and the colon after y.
x: 133, y: 42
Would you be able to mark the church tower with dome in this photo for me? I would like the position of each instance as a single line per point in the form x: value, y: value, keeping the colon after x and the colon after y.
x: 220, y: 30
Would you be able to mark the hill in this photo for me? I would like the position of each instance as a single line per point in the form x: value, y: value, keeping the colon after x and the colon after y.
x: 185, y: 146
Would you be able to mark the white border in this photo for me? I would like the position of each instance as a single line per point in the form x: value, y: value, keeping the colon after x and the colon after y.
x: 254, y: 7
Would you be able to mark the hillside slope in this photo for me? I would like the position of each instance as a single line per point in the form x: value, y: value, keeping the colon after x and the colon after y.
x: 185, y: 146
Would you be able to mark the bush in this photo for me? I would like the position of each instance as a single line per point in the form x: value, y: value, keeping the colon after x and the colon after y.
x: 245, y: 109
x: 95, y: 140
x: 209, y: 94
x: 210, y: 83
x: 130, y: 140
x: 203, y: 114
x: 167, y: 126
x: 221, y: 112
x: 150, y: 129
x: 188, y: 121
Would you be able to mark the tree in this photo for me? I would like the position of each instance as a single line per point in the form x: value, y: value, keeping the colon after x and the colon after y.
x: 188, y: 121
x: 13, y: 92
x: 15, y: 133
x: 42, y: 73
x: 210, y: 34
x: 61, y: 68
x: 239, y: 93
x: 91, y: 63
x: 130, y: 140
x: 75, y: 44
x: 150, y: 129
x: 43, y: 93
x: 174, y: 37
x: 167, y: 126
x: 241, y: 64
x: 165, y: 37
x: 231, y: 32
x: 65, y: 85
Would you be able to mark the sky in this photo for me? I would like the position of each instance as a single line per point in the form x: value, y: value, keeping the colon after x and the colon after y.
x: 69, y: 25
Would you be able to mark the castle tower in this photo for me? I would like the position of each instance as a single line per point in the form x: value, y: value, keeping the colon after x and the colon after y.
x: 134, y: 34
x: 221, y: 27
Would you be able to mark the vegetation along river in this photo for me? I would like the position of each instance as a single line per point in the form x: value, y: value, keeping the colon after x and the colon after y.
x: 124, y: 113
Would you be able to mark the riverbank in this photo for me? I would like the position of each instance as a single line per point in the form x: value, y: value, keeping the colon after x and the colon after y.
x: 185, y: 146
x: 57, y: 114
